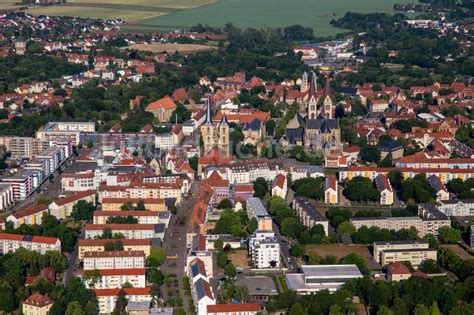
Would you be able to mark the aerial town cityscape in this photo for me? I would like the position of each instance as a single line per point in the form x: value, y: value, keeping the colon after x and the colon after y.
x: 237, y: 171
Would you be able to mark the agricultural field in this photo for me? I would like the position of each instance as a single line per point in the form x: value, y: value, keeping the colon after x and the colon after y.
x: 8, y: 4
x: 166, y: 15
x: 130, y: 11
x: 171, y: 48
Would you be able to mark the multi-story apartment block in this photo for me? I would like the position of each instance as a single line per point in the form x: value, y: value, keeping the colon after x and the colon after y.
x: 308, y: 214
x: 130, y: 231
x: 22, y: 184
x: 41, y: 244
x: 6, y: 196
x: 143, y: 217
x: 116, y: 278
x: 65, y: 130
x: 62, y: 207
x: 331, y: 194
x: 456, y: 208
x: 386, y: 192
x: 113, y: 204
x: 256, y: 209
x: 29, y: 216
x: 444, y: 174
x: 114, y: 260
x: 413, y: 251
x: 80, y: 181
x: 164, y: 141
x: 140, y: 245
x: 424, y: 225
x: 37, y: 304
x: 107, y: 298
x: 142, y: 191
x: 264, y: 249
x: 425, y: 162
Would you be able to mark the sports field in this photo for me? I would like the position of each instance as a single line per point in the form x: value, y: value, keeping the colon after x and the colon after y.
x: 165, y: 15
x: 338, y: 250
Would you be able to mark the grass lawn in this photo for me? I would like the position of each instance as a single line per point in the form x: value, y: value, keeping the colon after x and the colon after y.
x: 171, y: 48
x: 8, y: 4
x: 338, y: 250
x: 459, y: 251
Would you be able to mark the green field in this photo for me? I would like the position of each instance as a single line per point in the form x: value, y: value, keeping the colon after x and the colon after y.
x: 161, y: 15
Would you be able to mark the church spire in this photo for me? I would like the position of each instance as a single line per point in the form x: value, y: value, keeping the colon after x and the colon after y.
x: 208, y: 112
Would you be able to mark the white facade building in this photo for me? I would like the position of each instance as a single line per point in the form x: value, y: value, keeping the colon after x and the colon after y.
x: 264, y: 249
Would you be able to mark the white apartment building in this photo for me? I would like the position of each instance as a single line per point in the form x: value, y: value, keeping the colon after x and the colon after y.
x: 308, y: 214
x: 264, y: 249
x: 423, y: 226
x: 130, y: 231
x: 65, y: 130
x: 41, y: 244
x: 164, y: 141
x: 116, y: 278
x: 457, y: 207
x: 6, y: 196
x: 279, y: 186
x: 106, y: 298
x: 202, y: 296
x: 80, y: 181
x: 114, y: 260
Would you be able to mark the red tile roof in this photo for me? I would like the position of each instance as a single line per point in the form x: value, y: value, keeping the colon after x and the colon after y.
x: 398, y: 268
x: 132, y: 200
x: 231, y: 308
x: 279, y: 181
x: 166, y: 103
x: 119, y: 253
x: 75, y: 197
x: 133, y: 213
x: 118, y: 227
x: 38, y: 300
x: 128, y: 291
x: 30, y: 211
x: 125, y: 242
x: 119, y: 272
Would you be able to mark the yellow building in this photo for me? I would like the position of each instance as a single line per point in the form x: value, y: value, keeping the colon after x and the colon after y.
x: 37, y: 304
x: 215, y: 135
x: 331, y: 190
x: 114, y: 204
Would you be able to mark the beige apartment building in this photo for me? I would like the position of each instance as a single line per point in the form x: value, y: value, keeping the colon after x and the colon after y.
x: 396, y: 251
x: 114, y: 260
x: 424, y: 226
x: 92, y: 246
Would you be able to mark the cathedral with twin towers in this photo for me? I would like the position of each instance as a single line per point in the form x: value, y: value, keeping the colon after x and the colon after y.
x: 316, y: 114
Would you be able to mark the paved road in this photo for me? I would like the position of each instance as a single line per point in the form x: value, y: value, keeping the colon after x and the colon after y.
x: 72, y: 260
x: 174, y: 243
x: 292, y: 264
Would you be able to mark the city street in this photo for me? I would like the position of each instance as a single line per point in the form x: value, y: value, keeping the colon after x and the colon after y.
x: 174, y: 243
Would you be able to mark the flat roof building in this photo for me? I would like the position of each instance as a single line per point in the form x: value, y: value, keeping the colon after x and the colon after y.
x: 316, y: 278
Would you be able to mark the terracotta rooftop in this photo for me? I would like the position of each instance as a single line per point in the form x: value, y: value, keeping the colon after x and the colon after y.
x: 38, y: 300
